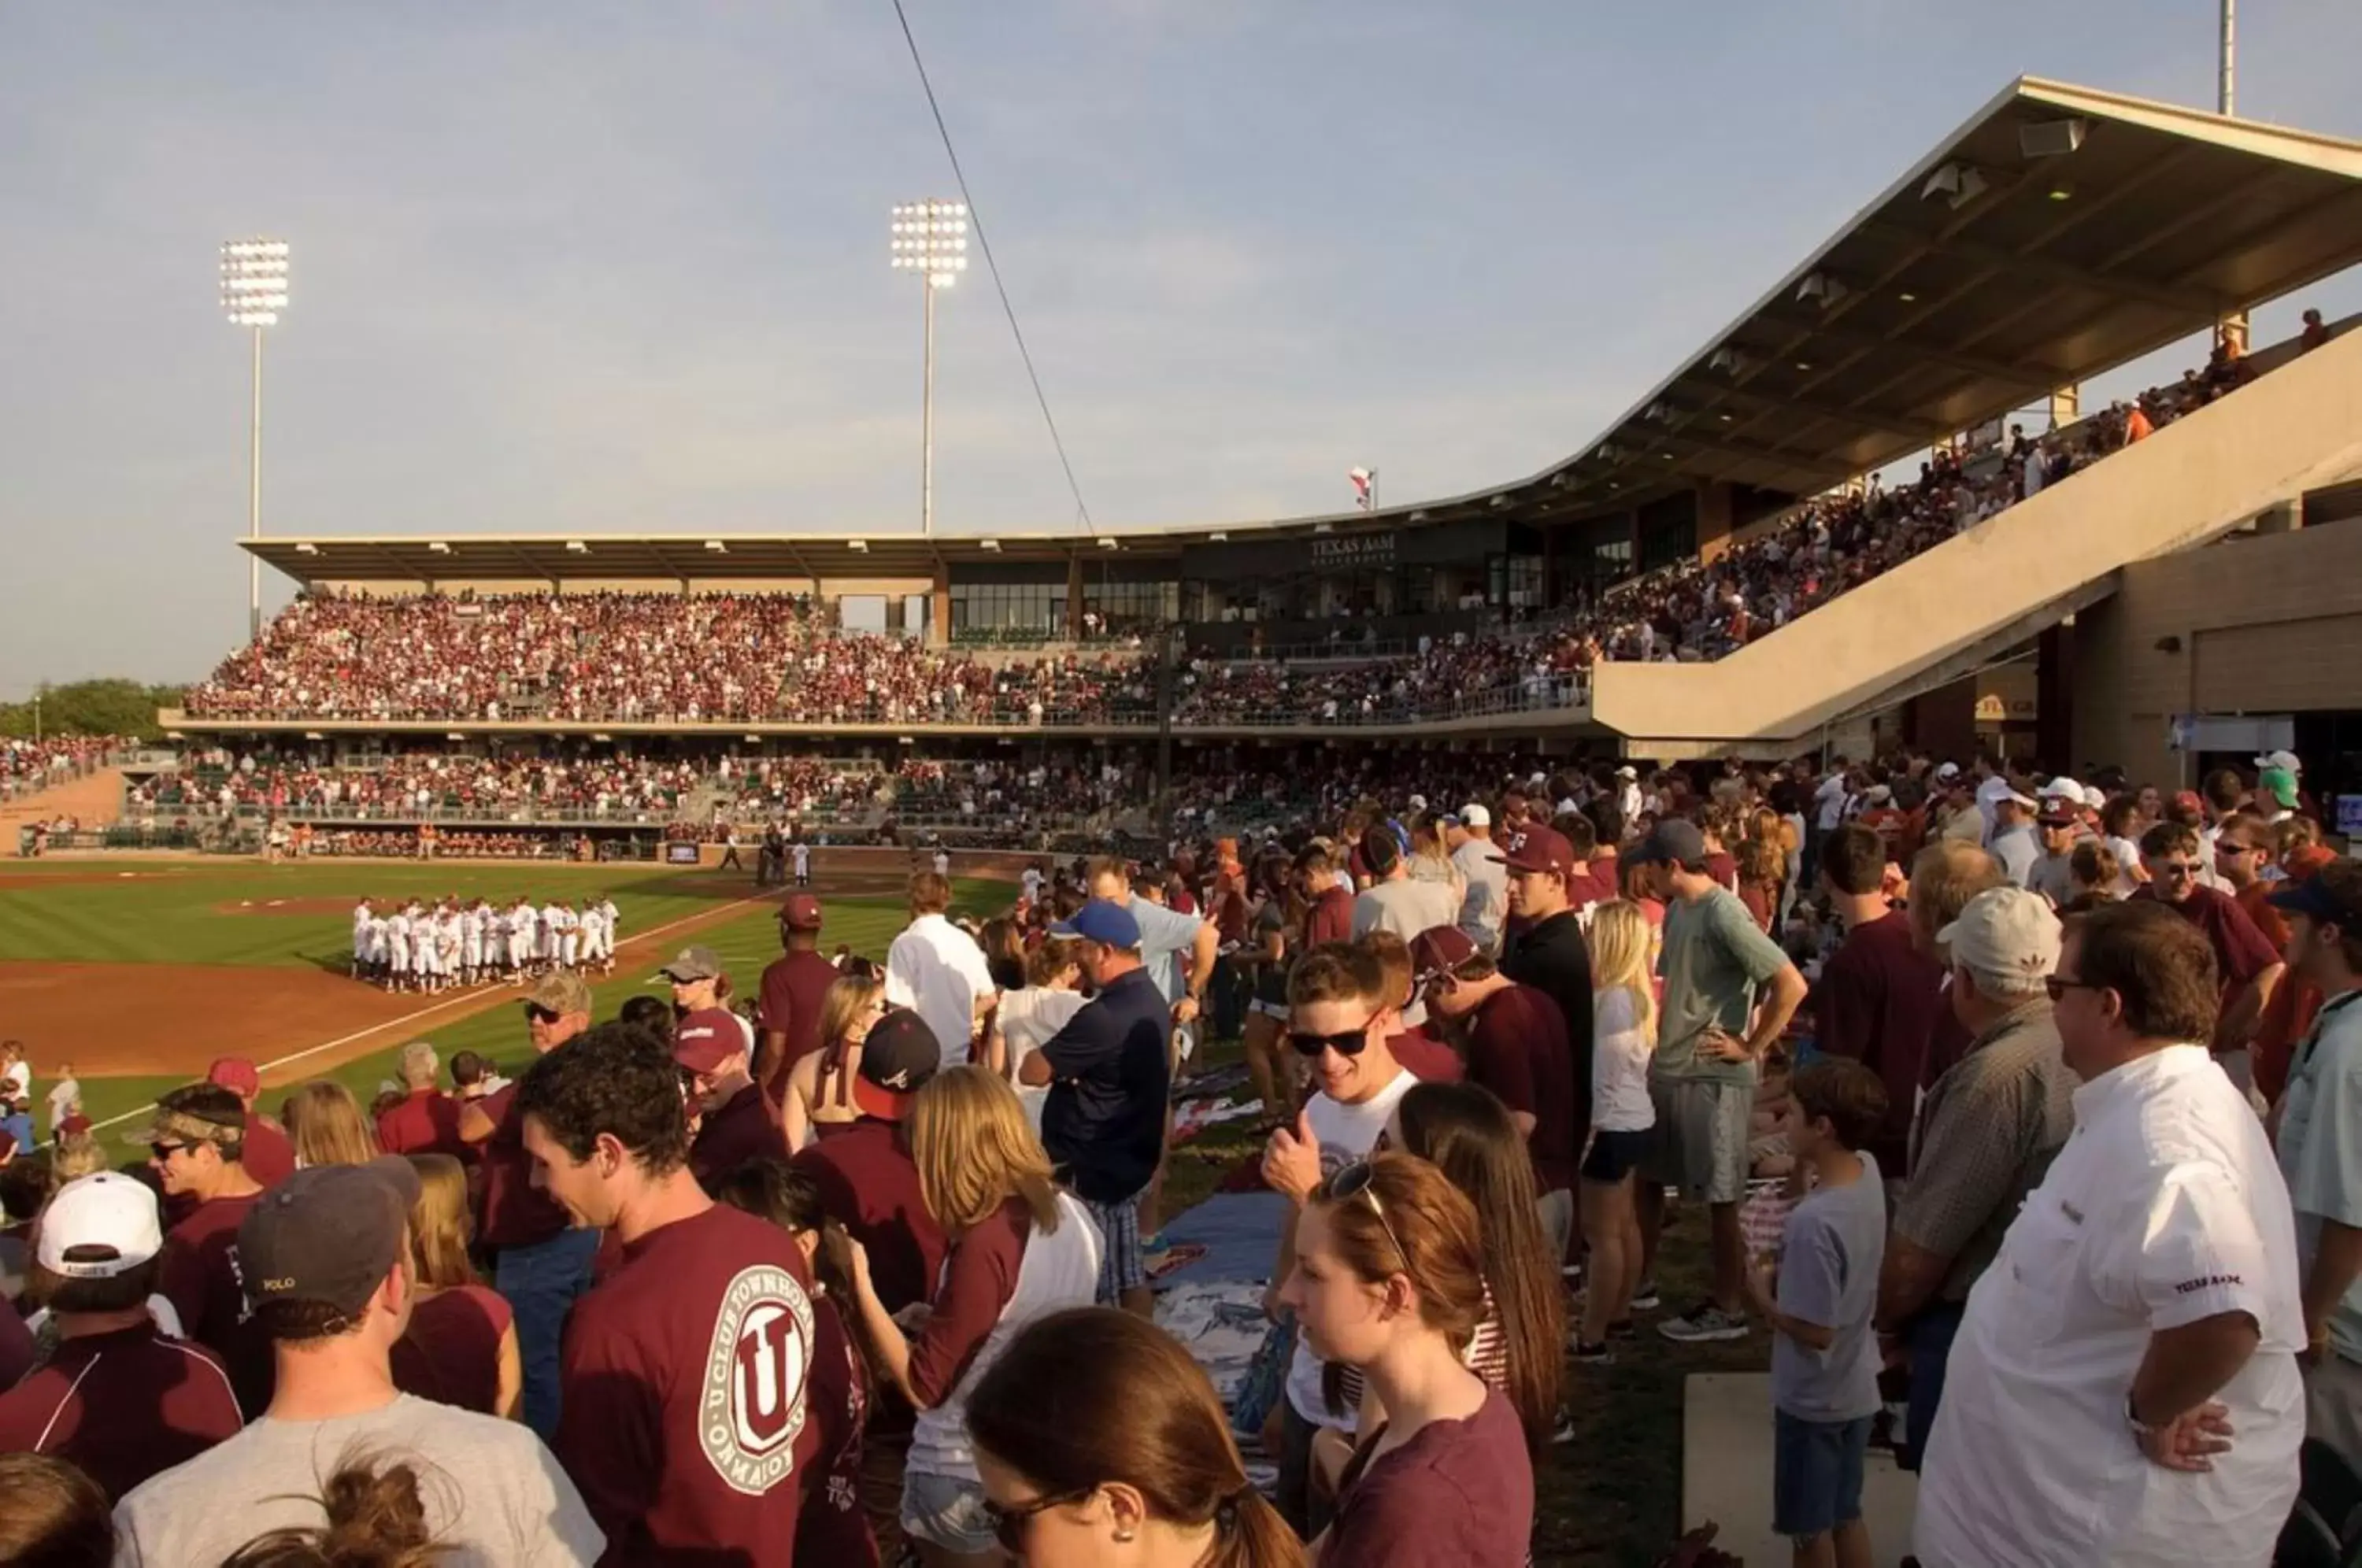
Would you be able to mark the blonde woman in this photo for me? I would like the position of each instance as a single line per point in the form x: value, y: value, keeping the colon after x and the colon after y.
x: 461, y: 1345
x: 325, y: 1125
x: 1430, y: 858
x: 1020, y: 1249
x: 820, y: 1085
x: 1623, y: 1119
x: 1030, y: 1014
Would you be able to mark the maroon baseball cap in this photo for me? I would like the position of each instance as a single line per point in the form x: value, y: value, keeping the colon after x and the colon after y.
x: 235, y: 1073
x: 73, y: 1126
x: 800, y: 913
x: 705, y: 1038
x: 897, y: 1056
x: 1438, y: 950
x: 1536, y: 848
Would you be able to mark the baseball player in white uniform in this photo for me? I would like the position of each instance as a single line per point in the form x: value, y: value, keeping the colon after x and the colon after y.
x: 360, y: 938
x: 471, y: 943
x: 553, y: 925
x: 397, y: 950
x: 801, y: 853
x: 942, y: 862
x: 609, y: 920
x: 520, y: 929
x: 592, y: 924
x: 569, y: 935
x: 449, y: 938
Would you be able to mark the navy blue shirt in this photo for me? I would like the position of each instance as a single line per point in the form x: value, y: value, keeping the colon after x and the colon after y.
x: 1104, y: 1121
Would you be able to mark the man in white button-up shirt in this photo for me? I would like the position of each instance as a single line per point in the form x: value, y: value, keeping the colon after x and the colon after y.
x: 2125, y: 1390
x: 937, y: 968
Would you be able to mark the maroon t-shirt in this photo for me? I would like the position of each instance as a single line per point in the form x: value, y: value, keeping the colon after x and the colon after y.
x: 1880, y: 1001
x: 516, y: 1213
x: 740, y: 1130
x: 123, y: 1407
x: 1456, y: 1492
x: 451, y: 1352
x: 198, y: 1273
x: 1517, y: 1048
x: 2241, y: 951
x: 793, y: 988
x: 869, y: 1185
x: 425, y: 1123
x: 1723, y: 869
x: 1426, y: 1059
x: 1330, y: 917
x: 18, y: 1351
x: 268, y: 1155
x: 833, y: 1526
x: 685, y: 1382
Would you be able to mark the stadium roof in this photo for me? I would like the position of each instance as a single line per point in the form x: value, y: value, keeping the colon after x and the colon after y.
x: 2059, y: 233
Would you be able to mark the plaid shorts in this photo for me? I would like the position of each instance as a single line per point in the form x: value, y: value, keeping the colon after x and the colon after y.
x: 1119, y: 1268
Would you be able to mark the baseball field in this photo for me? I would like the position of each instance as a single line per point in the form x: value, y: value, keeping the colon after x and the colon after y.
x: 140, y: 972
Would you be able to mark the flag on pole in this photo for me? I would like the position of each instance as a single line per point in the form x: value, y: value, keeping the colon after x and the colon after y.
x: 1365, y: 487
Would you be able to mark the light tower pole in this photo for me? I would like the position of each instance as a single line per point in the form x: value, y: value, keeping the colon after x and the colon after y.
x: 931, y: 239
x: 254, y: 291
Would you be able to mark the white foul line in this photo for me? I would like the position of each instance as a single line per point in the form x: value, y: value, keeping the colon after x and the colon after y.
x: 436, y: 1007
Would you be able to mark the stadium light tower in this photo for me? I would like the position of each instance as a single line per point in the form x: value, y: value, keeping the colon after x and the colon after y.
x: 931, y: 239
x: 254, y: 291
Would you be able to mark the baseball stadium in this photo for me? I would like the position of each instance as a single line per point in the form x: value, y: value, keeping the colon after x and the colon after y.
x: 1875, y: 515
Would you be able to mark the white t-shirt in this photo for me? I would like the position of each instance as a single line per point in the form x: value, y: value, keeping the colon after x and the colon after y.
x: 491, y: 1490
x: 1347, y: 1132
x: 1406, y: 908
x: 64, y: 1095
x: 937, y: 968
x: 1619, y: 1065
x: 1028, y: 1019
x: 2163, y: 1208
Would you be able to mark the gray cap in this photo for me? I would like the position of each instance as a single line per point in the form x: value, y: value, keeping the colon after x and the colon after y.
x: 2006, y: 937
x: 693, y: 964
x: 1676, y: 841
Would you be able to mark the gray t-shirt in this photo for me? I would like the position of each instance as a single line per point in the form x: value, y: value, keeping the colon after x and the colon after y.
x: 1406, y: 908
x: 1486, y: 903
x: 1714, y: 957
x: 1164, y: 935
x: 491, y: 1490
x: 1829, y: 1255
x: 2018, y: 849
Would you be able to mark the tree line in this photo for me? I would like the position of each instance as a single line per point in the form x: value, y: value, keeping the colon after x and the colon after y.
x: 91, y: 708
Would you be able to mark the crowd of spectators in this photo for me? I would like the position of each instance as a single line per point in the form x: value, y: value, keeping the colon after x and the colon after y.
x: 28, y: 765
x: 308, y: 782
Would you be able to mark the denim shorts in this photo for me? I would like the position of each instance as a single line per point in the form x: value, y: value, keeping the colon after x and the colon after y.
x: 1815, y: 1474
x: 947, y: 1511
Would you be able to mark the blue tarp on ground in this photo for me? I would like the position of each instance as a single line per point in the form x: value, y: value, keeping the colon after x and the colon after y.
x: 1239, y: 1235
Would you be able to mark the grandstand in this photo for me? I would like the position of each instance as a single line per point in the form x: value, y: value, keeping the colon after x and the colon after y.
x: 1722, y: 569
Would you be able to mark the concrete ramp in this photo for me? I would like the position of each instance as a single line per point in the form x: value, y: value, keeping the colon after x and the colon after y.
x: 1727, y: 1472
x: 95, y: 800
x: 2296, y: 429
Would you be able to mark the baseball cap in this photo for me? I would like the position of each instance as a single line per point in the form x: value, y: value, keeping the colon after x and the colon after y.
x: 705, y: 1038
x: 800, y: 913
x: 560, y: 991
x: 75, y: 1126
x: 1434, y: 951
x: 2285, y: 761
x: 189, y: 1126
x: 1473, y: 815
x: 328, y: 1233
x: 2312, y: 896
x: 2279, y: 783
x: 2062, y: 789
x: 1627, y: 771
x: 1536, y: 849
x: 235, y: 1073
x: 1379, y: 852
x: 108, y: 1212
x: 1416, y: 802
x: 897, y: 1056
x: 1949, y: 770
x: 693, y: 964
x: 2005, y: 932
x: 1676, y: 841
x: 1102, y: 921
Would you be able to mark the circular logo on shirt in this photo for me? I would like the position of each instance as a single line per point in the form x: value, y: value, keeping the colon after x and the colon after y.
x: 756, y: 1371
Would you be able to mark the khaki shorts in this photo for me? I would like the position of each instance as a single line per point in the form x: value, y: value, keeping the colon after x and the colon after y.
x: 1701, y: 1132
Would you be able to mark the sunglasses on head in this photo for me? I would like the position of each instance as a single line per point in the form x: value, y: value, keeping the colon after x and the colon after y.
x: 1346, y: 1043
x: 1009, y: 1524
x: 1354, y: 1181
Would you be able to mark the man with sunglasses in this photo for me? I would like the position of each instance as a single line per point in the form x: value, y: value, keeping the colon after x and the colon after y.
x: 2123, y: 1387
x: 2247, y: 964
x: 1339, y: 1024
x: 540, y: 1263
x: 194, y: 1146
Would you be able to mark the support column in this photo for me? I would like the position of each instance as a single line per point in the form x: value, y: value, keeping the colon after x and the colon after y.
x: 1074, y: 597
x: 2054, y: 697
x: 939, y: 608
x: 1714, y: 516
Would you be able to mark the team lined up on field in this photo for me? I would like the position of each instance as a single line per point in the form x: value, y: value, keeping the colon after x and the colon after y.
x: 417, y: 947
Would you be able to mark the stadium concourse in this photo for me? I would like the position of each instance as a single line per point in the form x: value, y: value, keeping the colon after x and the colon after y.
x: 1927, y: 1091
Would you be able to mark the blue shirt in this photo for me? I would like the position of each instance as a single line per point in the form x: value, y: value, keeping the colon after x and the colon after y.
x: 1103, y: 1121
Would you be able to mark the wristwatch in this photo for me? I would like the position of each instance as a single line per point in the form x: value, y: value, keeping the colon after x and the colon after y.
x: 2142, y: 1431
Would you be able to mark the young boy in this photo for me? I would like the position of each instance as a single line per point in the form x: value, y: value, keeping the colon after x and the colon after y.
x: 1823, y: 1357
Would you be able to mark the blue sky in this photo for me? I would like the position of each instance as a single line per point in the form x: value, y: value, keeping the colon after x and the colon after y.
x: 602, y: 266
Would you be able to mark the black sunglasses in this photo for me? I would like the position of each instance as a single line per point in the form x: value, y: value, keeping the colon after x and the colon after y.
x: 1346, y: 1043
x: 1008, y: 1525
x: 1354, y: 1181
x: 163, y: 1153
x: 540, y: 1014
x: 2060, y: 985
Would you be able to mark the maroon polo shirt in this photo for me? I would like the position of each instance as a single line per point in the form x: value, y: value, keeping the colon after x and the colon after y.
x: 425, y: 1123
x: 451, y: 1352
x: 123, y: 1407
x: 1880, y: 1003
x: 516, y: 1213
x: 685, y: 1382
x: 793, y: 988
x: 869, y: 1185
x: 198, y: 1273
x: 1517, y: 1048
x: 741, y: 1130
x: 2241, y: 951
x: 1426, y: 1059
x: 1330, y: 917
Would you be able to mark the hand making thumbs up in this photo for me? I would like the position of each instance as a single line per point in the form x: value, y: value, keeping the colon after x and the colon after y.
x: 1291, y: 1161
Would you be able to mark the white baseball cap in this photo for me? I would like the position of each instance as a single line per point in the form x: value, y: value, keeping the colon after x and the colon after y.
x: 107, y: 1209
x: 1417, y: 802
x: 1949, y: 770
x: 2063, y: 789
x: 1627, y: 771
x: 1473, y: 815
x: 2285, y: 761
x: 2004, y: 933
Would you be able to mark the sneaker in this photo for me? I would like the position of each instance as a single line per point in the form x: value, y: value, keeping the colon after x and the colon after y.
x: 1591, y: 1355
x: 1623, y: 1329
x: 1703, y: 1323
x: 1645, y: 1297
x: 1563, y: 1430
